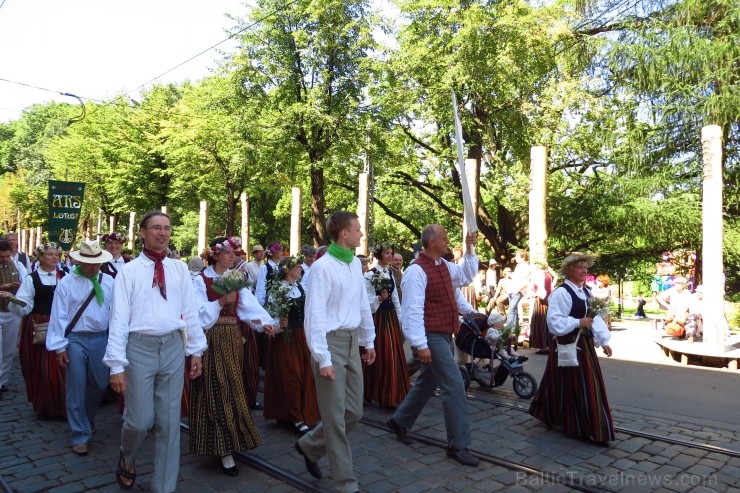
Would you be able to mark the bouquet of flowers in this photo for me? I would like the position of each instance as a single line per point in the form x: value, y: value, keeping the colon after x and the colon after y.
x: 232, y: 281
x: 597, y: 306
x: 380, y: 281
x: 279, y: 303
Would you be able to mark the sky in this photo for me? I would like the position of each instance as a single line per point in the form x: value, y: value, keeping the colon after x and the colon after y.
x: 99, y: 48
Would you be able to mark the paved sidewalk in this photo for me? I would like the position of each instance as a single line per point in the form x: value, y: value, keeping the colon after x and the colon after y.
x: 35, y: 456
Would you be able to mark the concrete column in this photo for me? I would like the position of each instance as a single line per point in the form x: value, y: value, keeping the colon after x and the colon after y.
x: 295, y: 222
x: 203, y: 227
x: 112, y: 220
x: 31, y: 240
x: 362, y: 212
x: 39, y: 234
x: 472, y: 172
x: 99, y: 230
x: 245, y: 224
x: 712, y: 241
x: 131, y: 230
x: 165, y: 210
x: 22, y: 239
x: 538, y: 204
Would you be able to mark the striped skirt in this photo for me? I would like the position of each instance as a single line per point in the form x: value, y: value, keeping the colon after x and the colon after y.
x: 387, y: 380
x: 574, y: 397
x: 45, y: 380
x: 220, y: 422
x: 290, y: 391
x: 539, y: 336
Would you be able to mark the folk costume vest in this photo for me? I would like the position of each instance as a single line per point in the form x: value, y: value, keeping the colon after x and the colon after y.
x: 109, y: 268
x: 440, y: 307
x: 44, y: 294
x: 8, y: 274
x: 578, y: 309
x: 296, y: 315
x: 229, y: 309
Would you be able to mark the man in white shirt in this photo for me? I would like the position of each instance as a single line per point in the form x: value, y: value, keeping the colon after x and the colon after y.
x: 252, y: 268
x: 430, y: 317
x: 338, y: 322
x: 78, y: 334
x: 113, y: 243
x: 12, y: 273
x: 153, y: 311
x: 16, y: 255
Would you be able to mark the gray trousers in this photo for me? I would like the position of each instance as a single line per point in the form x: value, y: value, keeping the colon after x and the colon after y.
x: 154, y: 382
x: 340, y: 404
x: 10, y: 325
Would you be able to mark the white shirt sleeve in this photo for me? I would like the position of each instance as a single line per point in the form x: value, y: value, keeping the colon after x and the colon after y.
x: 25, y: 293
x: 315, y: 310
x: 371, y: 296
x: 260, y: 291
x: 208, y: 311
x: 120, y: 312
x: 463, y: 307
x: 414, y: 285
x: 249, y: 309
x: 463, y: 274
x: 60, y: 318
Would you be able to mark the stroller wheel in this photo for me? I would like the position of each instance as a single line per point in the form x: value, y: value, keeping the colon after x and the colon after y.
x: 465, y: 376
x: 524, y: 385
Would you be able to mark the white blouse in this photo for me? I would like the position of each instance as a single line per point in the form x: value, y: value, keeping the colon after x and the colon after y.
x: 247, y: 310
x: 27, y: 292
x: 560, y: 323
x: 374, y: 299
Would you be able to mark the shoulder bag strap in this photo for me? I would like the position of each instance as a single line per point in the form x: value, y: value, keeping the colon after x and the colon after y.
x: 77, y: 316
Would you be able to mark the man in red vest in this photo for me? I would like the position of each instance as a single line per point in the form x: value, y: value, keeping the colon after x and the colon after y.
x: 430, y: 317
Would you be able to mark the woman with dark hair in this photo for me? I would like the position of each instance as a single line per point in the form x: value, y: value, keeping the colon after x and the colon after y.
x: 45, y: 379
x: 290, y: 391
x: 572, y: 393
x: 386, y: 381
x: 266, y: 273
x: 220, y: 422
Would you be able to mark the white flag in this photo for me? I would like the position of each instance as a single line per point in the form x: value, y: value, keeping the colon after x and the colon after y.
x: 469, y: 213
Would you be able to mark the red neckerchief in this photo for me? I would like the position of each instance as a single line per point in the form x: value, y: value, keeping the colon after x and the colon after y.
x: 158, y: 280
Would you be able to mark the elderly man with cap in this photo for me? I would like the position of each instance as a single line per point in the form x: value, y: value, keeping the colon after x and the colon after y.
x: 676, y: 301
x: 78, y: 334
x: 252, y: 269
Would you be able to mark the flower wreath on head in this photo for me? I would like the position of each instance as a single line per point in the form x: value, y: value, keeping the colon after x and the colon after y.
x: 46, y: 246
x: 114, y: 236
x: 273, y: 248
x: 288, y: 263
x: 231, y: 243
x: 380, y: 247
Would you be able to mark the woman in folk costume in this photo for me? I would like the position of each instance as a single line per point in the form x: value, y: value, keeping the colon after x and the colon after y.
x: 386, y: 381
x: 113, y: 243
x: 220, y: 422
x: 543, y: 280
x: 290, y: 391
x: 45, y: 379
x: 574, y: 397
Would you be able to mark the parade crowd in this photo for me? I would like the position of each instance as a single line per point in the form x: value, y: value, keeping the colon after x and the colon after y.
x: 167, y: 340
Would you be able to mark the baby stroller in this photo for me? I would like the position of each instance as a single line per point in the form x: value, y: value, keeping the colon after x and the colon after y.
x: 483, y: 369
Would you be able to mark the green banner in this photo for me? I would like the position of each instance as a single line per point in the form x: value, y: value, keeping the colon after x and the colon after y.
x: 65, y: 205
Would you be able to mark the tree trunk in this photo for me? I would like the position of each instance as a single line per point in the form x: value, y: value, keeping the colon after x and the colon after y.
x: 318, y: 206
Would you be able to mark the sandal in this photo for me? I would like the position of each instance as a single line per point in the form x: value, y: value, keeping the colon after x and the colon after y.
x: 122, y: 474
x: 301, y: 428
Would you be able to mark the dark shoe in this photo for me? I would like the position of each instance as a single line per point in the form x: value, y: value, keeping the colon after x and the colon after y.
x: 122, y: 474
x: 80, y: 449
x: 302, y: 428
x: 401, y: 433
x: 312, y: 467
x: 229, y: 471
x: 3, y: 388
x: 521, y: 358
x: 463, y: 457
x: 542, y: 351
x: 257, y: 406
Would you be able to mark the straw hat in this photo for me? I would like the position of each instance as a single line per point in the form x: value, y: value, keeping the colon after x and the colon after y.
x: 576, y: 257
x: 91, y: 253
x: 680, y: 280
x: 257, y: 248
x: 492, y: 262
